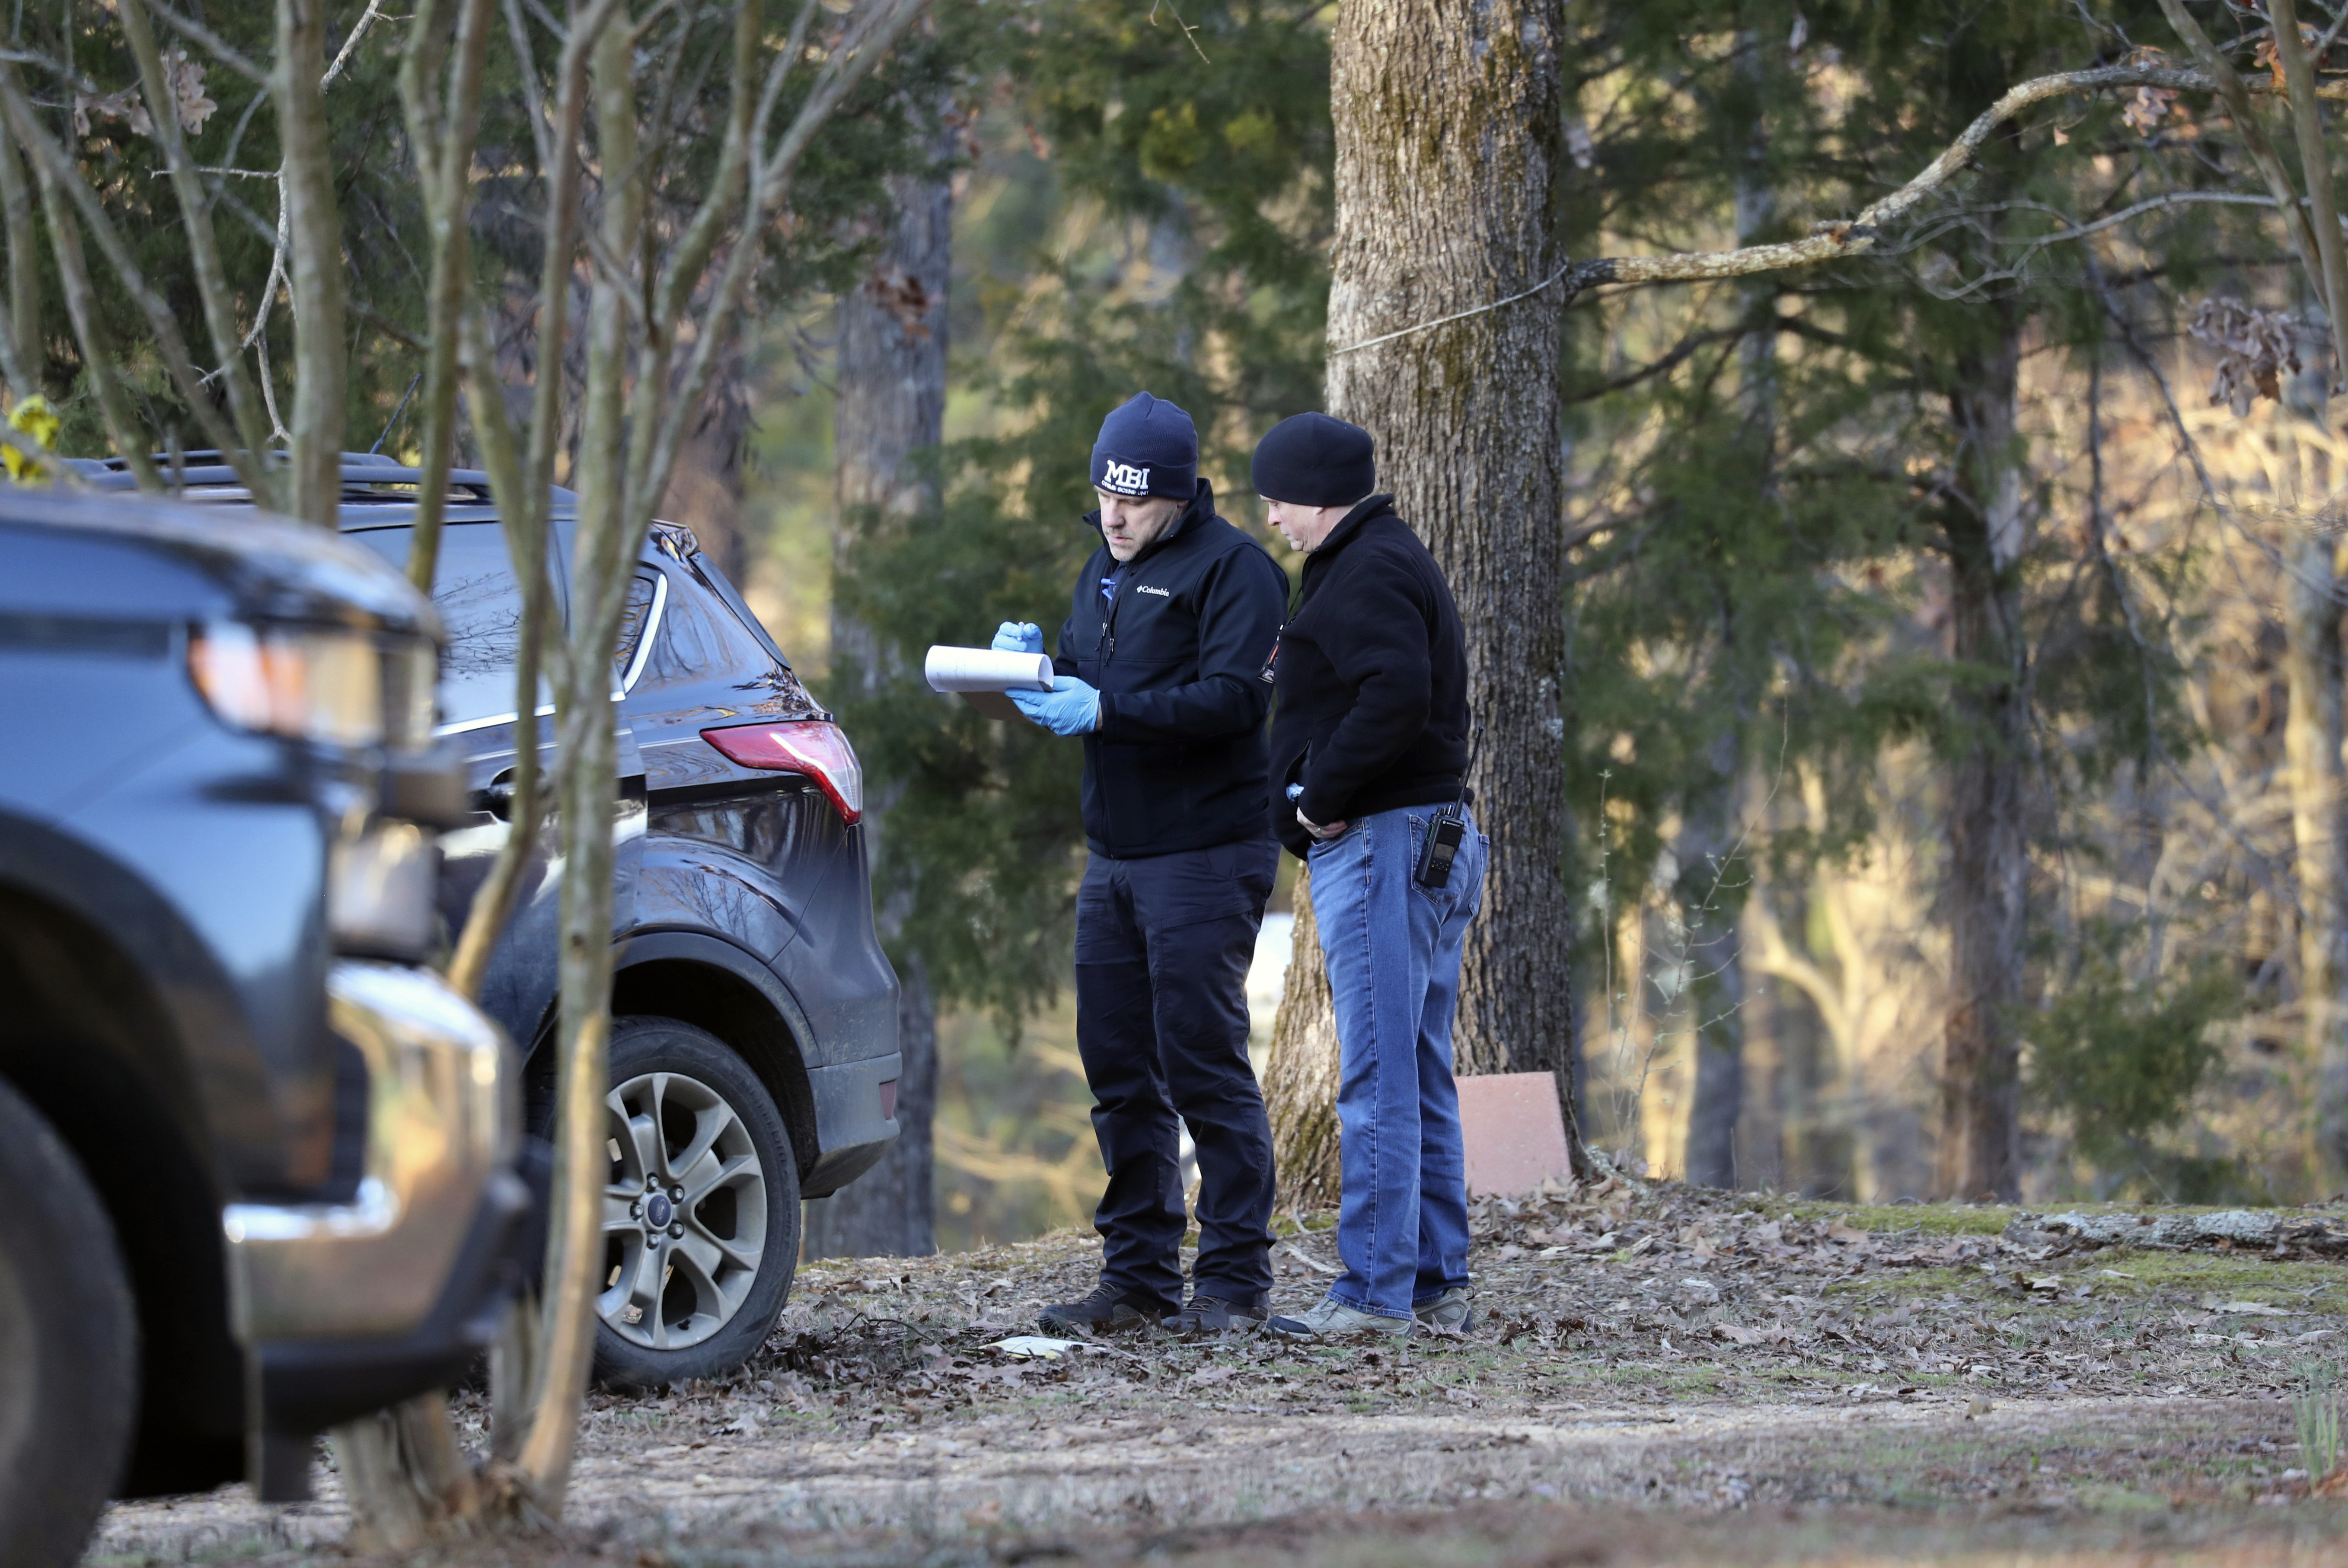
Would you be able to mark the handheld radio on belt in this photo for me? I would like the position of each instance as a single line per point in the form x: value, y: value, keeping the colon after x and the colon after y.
x: 1444, y: 832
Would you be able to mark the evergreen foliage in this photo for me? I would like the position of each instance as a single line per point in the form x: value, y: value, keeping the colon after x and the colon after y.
x: 1202, y: 283
x: 2120, y: 1059
x: 1776, y: 497
x: 78, y: 66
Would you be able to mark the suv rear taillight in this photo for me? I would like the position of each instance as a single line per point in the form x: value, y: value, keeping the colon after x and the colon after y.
x: 814, y: 747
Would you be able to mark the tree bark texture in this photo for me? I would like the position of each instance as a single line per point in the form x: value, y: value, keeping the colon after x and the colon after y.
x: 1449, y: 136
x: 404, y: 1474
x: 314, y: 261
x: 706, y: 491
x: 1300, y: 1080
x: 1712, y: 895
x: 891, y: 411
x: 1986, y: 525
x: 603, y: 553
x: 2312, y: 737
x: 24, y: 273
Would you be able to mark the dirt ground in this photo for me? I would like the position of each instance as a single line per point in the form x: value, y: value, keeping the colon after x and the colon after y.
x: 1660, y: 1374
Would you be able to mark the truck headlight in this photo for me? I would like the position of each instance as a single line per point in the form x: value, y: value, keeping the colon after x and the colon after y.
x: 327, y: 683
x: 379, y: 890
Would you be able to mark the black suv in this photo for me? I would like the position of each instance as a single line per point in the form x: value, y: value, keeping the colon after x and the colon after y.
x: 261, y: 1164
x: 754, y: 1051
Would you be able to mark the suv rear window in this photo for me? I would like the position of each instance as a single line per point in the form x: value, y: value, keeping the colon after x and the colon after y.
x: 700, y: 641
x: 479, y: 600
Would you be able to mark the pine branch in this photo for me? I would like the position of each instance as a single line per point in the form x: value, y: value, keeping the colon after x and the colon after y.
x: 1839, y: 239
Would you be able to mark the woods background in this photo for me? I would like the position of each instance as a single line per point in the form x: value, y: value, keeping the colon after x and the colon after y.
x: 1891, y: 589
x: 1912, y: 681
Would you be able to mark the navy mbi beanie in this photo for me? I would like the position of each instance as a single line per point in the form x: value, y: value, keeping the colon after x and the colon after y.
x: 1146, y: 447
x: 1312, y: 459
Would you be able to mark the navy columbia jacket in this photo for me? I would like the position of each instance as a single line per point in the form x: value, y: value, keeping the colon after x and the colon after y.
x: 1180, y: 651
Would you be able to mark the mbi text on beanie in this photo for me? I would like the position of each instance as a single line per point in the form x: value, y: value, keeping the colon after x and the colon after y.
x: 1146, y: 447
x: 1312, y: 459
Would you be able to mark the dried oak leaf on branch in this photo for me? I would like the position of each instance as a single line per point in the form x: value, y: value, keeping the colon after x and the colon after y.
x: 187, y: 80
x: 2255, y: 349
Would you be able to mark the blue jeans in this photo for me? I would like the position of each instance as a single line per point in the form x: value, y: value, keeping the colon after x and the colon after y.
x: 1393, y: 952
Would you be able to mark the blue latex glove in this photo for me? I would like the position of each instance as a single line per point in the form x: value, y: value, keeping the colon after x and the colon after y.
x: 1019, y: 637
x: 1071, y: 708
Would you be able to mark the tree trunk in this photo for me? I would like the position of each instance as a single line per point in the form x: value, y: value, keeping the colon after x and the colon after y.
x: 706, y: 491
x: 1988, y: 848
x: 2312, y: 737
x: 602, y: 556
x: 1711, y: 896
x: 1300, y: 1080
x: 1711, y: 833
x: 890, y: 413
x: 1450, y: 134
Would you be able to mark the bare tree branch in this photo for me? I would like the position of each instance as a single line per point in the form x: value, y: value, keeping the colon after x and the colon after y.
x: 525, y: 533
x: 73, y: 272
x: 584, y: 729
x: 878, y: 26
x: 2315, y: 162
x: 1671, y: 361
x: 57, y: 173
x: 1856, y: 236
x: 24, y: 328
x: 445, y: 154
x: 2230, y: 87
x: 314, y: 262
x: 359, y: 31
x: 219, y: 49
x: 250, y: 459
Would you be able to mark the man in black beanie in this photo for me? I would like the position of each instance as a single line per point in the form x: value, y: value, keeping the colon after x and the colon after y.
x: 1162, y: 669
x: 1369, y: 749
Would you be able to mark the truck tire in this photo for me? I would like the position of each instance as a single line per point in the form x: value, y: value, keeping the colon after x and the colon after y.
x: 68, y: 1346
x: 701, y: 1209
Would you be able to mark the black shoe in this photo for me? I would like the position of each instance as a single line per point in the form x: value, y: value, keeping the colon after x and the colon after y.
x: 1216, y: 1314
x: 1109, y: 1310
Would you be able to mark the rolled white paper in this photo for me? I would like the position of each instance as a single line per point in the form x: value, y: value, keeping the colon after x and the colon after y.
x: 985, y: 669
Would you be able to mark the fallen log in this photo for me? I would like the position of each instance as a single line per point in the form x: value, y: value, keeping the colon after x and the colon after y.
x: 2264, y: 1230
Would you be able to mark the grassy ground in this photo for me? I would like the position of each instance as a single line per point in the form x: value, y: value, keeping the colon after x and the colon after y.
x: 1662, y: 1375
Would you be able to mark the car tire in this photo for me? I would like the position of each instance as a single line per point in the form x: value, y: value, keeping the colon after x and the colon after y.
x: 692, y: 1284
x: 68, y: 1346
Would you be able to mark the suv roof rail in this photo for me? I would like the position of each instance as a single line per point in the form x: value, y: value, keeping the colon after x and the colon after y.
x: 367, y: 477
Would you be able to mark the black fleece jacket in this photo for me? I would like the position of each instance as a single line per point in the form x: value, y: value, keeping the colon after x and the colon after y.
x: 1372, y: 680
x: 1179, y: 656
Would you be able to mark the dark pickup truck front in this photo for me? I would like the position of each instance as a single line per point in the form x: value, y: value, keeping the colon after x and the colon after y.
x: 218, y: 804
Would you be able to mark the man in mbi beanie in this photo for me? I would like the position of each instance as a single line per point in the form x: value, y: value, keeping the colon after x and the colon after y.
x: 1369, y: 758
x: 1146, y: 447
x: 1162, y: 669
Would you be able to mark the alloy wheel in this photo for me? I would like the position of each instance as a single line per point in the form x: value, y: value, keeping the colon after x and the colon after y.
x: 684, y: 1212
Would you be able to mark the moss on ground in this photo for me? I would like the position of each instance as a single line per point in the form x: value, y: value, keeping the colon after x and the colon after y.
x: 1927, y: 1219
x: 2093, y: 1282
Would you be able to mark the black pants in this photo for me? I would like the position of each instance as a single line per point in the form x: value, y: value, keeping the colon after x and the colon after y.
x: 1163, y: 945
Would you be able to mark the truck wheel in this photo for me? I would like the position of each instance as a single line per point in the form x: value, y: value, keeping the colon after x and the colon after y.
x: 68, y: 1346
x: 701, y: 1209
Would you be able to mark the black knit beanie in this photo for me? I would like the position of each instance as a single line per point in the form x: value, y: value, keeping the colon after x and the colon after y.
x: 1146, y: 447
x: 1312, y: 459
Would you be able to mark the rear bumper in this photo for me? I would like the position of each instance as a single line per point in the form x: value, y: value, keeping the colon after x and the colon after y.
x: 855, y: 1124
x: 344, y: 1308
